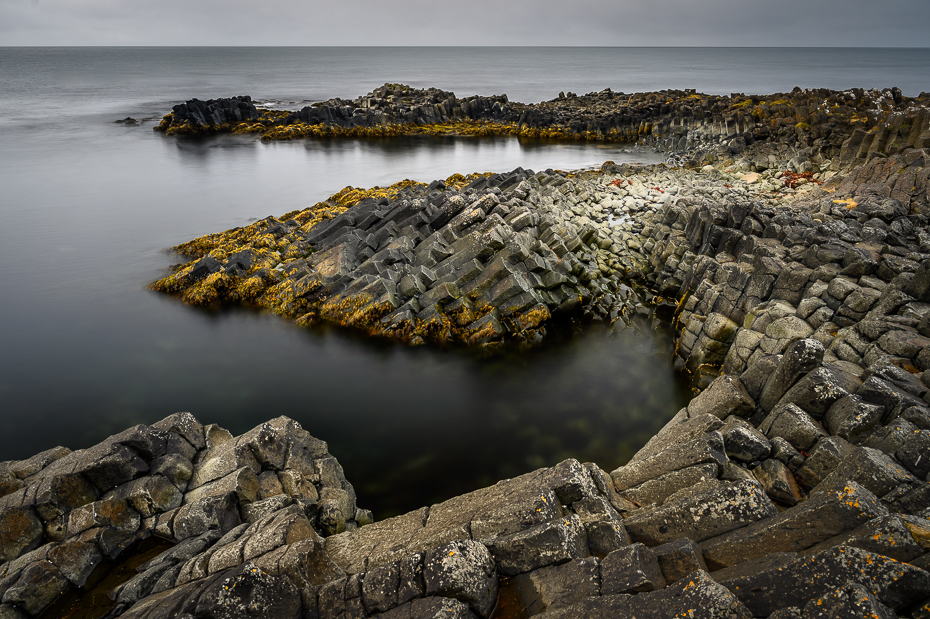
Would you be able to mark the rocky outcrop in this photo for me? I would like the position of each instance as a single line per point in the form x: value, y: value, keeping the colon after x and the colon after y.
x: 197, y: 115
x: 795, y: 483
x: 268, y: 496
x: 475, y: 260
x: 808, y: 129
x: 267, y: 534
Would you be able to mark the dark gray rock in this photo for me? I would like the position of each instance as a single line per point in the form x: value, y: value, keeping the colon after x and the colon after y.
x: 725, y: 396
x: 821, y: 517
x: 679, y: 558
x: 799, y: 359
x: 778, y: 481
x: 680, y: 429
x: 900, y: 378
x: 743, y: 442
x: 852, y: 418
x: 784, y: 452
x: 696, y: 596
x: 819, y: 389
x: 216, y: 512
x: 20, y: 531
x: 380, y: 588
x: 758, y: 373
x: 656, y: 491
x: 892, y: 536
x: 596, y: 607
x: 605, y: 486
x: 633, y: 569
x: 793, y: 424
x: 700, y: 516
x: 894, y: 584
x: 430, y: 608
x: 464, y: 571
x: 850, y: 602
x: 891, y: 398
x: 37, y: 587
x: 603, y: 526
x: 557, y: 586
x: 918, y: 415
x: 870, y: 468
x: 823, y: 459
x: 707, y: 448
x: 550, y: 543
x: 605, y: 536
x: 570, y: 481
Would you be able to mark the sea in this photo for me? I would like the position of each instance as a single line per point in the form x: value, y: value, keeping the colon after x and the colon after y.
x: 90, y: 207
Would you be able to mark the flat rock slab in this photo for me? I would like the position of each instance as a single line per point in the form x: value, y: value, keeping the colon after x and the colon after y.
x: 897, y: 585
x: 706, y: 448
x: 488, y: 514
x: 821, y: 517
x: 703, y: 515
x: 697, y: 596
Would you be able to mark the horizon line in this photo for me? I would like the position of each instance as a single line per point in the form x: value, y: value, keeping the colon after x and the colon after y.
x: 864, y: 47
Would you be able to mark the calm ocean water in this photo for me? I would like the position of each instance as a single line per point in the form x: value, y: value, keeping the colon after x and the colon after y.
x: 89, y: 207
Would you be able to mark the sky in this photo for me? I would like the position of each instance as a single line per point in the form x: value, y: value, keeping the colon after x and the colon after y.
x: 718, y: 23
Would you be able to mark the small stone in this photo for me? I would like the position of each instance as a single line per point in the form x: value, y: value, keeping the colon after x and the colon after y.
x: 633, y: 569
x: 778, y: 481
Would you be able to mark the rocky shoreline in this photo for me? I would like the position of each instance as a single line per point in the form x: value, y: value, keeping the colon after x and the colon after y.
x: 793, y: 253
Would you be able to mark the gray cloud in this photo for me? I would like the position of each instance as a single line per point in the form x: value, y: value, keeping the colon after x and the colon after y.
x: 853, y: 23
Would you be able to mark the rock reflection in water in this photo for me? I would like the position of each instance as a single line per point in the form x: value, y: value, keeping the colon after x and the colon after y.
x: 597, y: 394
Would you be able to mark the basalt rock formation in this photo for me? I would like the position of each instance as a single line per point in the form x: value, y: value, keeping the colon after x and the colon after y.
x: 809, y: 126
x: 487, y: 258
x: 795, y: 484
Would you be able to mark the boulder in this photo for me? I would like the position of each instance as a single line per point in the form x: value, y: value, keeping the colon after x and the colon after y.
x: 550, y: 543
x: 900, y: 537
x: 872, y: 469
x: 793, y: 424
x: 852, y: 601
x: 557, y: 586
x: 632, y: 569
x: 852, y: 418
x: 823, y: 459
x: 778, y: 481
x: 800, y: 358
x: 725, y: 396
x: 464, y: 571
x: 679, y: 558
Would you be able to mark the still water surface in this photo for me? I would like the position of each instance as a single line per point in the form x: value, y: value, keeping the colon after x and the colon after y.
x: 89, y: 207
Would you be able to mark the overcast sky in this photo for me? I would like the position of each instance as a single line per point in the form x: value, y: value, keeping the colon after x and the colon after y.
x: 845, y: 23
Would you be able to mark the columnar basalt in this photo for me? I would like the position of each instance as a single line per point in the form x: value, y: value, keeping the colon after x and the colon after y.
x: 807, y: 128
x: 471, y: 260
x: 795, y: 484
x: 221, y: 499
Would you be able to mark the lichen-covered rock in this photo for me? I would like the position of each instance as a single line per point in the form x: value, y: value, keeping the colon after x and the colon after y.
x: 700, y: 516
x: 633, y: 569
x: 896, y: 585
x: 464, y: 571
x: 852, y: 601
x: 706, y: 448
x: 556, y: 541
x: 810, y: 522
